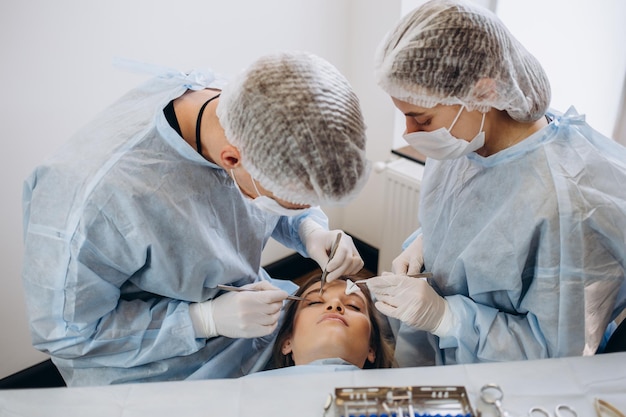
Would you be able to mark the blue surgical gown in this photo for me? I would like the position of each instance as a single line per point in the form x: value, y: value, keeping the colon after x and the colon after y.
x: 316, y: 367
x: 127, y: 225
x: 528, y: 246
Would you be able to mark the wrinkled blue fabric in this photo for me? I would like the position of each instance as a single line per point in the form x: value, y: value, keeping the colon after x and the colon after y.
x: 124, y: 227
x: 315, y: 367
x: 528, y: 246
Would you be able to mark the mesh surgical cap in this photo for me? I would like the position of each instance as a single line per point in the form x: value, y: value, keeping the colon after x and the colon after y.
x: 453, y: 52
x: 299, y: 128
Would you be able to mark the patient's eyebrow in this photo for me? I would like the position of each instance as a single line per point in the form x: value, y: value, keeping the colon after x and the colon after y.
x: 309, y: 291
x: 358, y: 297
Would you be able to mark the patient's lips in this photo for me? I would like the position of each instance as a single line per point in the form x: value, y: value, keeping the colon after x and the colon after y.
x: 333, y: 317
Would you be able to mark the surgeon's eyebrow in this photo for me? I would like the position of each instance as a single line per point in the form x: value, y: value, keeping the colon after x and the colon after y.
x: 414, y: 114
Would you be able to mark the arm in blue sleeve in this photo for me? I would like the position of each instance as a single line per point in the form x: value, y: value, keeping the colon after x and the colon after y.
x: 286, y: 231
x: 482, y: 333
x: 562, y: 315
x: 411, y: 238
x: 76, y: 313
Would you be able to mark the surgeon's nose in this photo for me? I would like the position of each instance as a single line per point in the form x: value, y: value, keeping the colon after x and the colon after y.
x: 335, y: 305
x: 411, y: 126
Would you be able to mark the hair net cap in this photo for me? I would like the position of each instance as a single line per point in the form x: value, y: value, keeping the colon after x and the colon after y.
x: 454, y: 52
x: 299, y: 128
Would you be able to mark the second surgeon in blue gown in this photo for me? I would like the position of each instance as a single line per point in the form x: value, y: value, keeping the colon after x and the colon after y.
x: 172, y: 190
x: 522, y: 210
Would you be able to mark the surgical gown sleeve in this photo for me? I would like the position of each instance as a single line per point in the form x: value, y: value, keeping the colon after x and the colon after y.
x: 528, y: 246
x: 85, y: 314
x: 286, y: 231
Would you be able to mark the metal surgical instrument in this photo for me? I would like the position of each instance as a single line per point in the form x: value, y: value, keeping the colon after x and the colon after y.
x: 540, y: 411
x: 420, y: 275
x: 333, y: 249
x: 493, y: 394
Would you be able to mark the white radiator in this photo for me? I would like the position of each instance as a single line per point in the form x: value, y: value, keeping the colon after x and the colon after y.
x: 403, y: 178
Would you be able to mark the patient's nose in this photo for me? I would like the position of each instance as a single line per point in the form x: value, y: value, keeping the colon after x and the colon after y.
x: 335, y: 305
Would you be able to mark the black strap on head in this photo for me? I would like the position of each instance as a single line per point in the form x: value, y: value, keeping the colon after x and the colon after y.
x: 199, y: 120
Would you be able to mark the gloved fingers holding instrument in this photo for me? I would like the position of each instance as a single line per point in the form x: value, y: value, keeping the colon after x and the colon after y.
x: 411, y: 260
x: 319, y: 244
x: 412, y: 301
x: 245, y: 314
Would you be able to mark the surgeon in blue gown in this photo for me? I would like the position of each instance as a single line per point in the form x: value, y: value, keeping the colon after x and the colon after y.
x: 172, y: 190
x: 522, y: 209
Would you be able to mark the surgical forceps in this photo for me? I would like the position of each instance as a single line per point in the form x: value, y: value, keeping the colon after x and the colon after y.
x: 493, y: 394
x: 540, y: 411
x: 352, y: 286
x: 333, y: 249
x: 420, y: 275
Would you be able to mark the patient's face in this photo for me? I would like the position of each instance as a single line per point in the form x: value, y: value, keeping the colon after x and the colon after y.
x: 331, y: 325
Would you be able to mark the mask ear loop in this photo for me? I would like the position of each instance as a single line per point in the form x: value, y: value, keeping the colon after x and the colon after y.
x: 254, y: 185
x: 232, y: 174
x: 457, y: 117
x: 482, y: 123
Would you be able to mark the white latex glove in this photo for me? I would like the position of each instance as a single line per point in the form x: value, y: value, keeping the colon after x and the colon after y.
x: 411, y: 260
x: 410, y: 300
x: 244, y: 314
x: 318, y: 242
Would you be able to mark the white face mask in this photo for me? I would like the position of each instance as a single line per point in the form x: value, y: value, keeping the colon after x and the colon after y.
x: 265, y: 203
x: 270, y: 205
x: 440, y: 144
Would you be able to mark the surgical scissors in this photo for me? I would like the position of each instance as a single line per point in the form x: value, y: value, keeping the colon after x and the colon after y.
x: 333, y: 249
x: 557, y: 411
x: 493, y: 394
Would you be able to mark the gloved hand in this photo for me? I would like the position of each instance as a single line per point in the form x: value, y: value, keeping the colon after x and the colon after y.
x: 318, y: 242
x: 410, y: 300
x: 411, y: 260
x: 244, y: 314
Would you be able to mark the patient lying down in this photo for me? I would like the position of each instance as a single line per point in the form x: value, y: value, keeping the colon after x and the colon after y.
x: 333, y: 328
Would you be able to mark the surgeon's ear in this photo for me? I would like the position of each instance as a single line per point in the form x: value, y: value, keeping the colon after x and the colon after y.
x: 485, y: 89
x: 230, y: 157
x: 286, y: 348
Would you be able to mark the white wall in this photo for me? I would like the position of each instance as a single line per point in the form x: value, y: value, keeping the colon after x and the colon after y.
x: 580, y: 45
x: 370, y: 20
x: 57, y: 74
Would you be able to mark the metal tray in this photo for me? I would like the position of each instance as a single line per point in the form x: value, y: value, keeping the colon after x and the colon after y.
x: 413, y: 401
